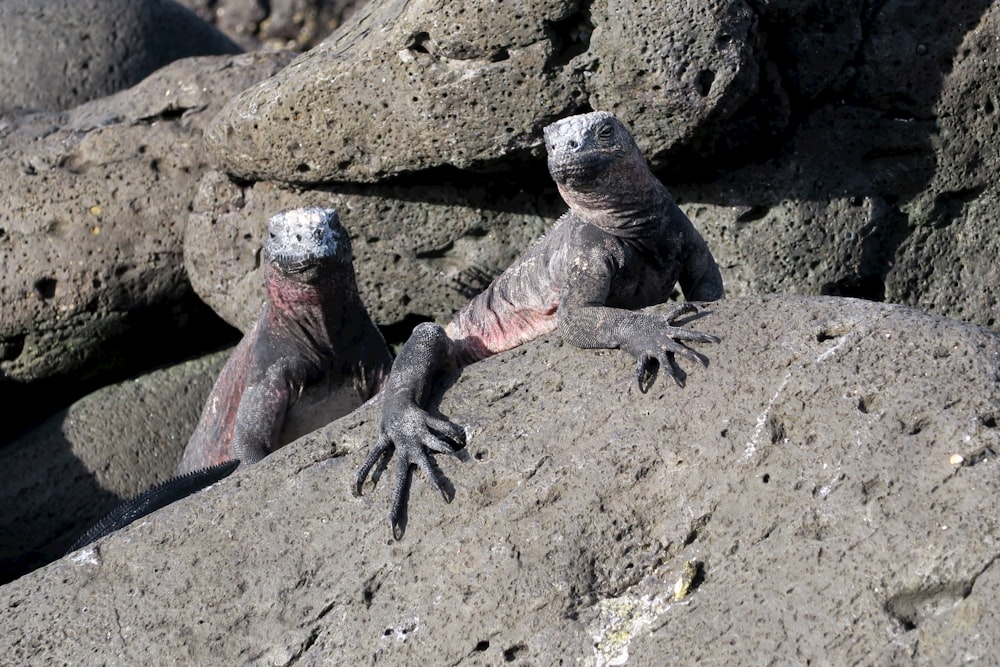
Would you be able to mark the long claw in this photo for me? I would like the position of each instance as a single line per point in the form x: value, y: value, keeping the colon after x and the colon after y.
x: 397, y: 515
x: 383, y: 448
x: 453, y: 433
x: 675, y: 371
x: 434, y: 477
x: 682, y: 308
x: 645, y: 371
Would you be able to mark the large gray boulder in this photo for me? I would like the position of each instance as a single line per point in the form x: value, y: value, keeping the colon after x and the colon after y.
x: 96, y: 201
x: 827, y: 487
x: 60, y: 53
x: 63, y: 475
x: 403, y: 87
x: 420, y: 251
x: 855, y: 178
x: 256, y: 24
x: 890, y: 193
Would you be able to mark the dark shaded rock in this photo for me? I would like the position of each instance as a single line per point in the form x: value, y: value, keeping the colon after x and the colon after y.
x: 60, y: 53
x: 255, y: 24
x: 92, y: 228
x: 886, y: 189
x: 420, y: 250
x: 403, y: 87
x: 63, y: 475
x: 827, y: 484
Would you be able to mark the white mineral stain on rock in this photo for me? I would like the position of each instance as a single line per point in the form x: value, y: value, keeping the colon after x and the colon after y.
x: 620, y: 619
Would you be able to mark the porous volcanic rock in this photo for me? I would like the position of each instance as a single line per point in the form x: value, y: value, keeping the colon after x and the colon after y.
x: 838, y: 148
x: 827, y: 486
x: 420, y: 249
x: 256, y: 24
x: 96, y: 200
x: 63, y: 475
x: 404, y: 86
x: 887, y: 187
x: 60, y: 53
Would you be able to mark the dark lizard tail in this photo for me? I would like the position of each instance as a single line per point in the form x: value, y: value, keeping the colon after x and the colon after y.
x: 159, y: 496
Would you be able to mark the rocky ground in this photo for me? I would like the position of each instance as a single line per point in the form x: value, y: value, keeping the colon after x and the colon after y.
x: 830, y: 480
x: 839, y: 149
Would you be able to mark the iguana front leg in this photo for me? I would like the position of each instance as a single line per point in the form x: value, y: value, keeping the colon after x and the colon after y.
x: 261, y: 414
x: 407, y: 428
x: 584, y: 321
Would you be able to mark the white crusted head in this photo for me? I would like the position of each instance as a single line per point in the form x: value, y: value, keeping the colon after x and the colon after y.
x: 580, y: 148
x: 300, y: 237
x: 569, y: 133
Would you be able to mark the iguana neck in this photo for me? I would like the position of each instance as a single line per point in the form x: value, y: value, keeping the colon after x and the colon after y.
x: 308, y: 312
x: 629, y: 202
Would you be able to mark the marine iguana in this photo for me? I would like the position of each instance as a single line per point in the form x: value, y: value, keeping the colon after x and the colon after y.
x: 313, y: 355
x: 622, y: 245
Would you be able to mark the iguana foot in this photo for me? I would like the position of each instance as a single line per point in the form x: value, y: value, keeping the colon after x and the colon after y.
x: 657, y: 347
x: 411, y: 433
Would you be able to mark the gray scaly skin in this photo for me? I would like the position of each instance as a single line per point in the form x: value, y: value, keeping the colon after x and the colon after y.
x: 312, y: 355
x: 622, y: 245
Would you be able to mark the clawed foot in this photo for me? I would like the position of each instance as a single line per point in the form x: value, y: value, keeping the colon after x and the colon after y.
x: 411, y: 433
x: 662, y: 343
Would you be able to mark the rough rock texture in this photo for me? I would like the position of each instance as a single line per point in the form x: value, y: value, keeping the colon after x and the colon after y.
x: 420, y: 250
x: 60, y: 53
x: 408, y: 86
x: 822, y: 147
x: 63, y: 475
x: 886, y: 189
x: 807, y: 479
x: 91, y: 230
x: 256, y: 24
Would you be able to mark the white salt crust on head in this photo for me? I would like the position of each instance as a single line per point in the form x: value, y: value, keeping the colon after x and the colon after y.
x: 310, y: 232
x: 568, y: 133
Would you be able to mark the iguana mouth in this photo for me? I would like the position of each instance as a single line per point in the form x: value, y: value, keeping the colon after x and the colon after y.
x: 579, y: 169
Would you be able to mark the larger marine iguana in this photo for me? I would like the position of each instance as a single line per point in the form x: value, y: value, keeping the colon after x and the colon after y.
x: 312, y: 355
x: 622, y: 245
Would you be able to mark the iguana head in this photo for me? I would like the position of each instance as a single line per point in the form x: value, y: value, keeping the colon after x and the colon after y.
x: 587, y: 151
x: 300, y: 240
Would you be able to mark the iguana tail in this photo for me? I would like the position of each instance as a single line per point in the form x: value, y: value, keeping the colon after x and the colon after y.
x: 159, y: 496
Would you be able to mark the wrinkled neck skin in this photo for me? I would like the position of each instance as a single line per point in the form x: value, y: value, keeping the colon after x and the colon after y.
x: 312, y: 313
x: 627, y: 200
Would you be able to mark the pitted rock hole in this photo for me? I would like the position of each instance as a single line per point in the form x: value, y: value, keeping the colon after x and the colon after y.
x: 832, y: 332
x: 46, y: 288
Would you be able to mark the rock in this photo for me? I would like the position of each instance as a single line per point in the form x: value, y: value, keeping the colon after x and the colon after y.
x: 72, y: 469
x: 807, y: 157
x: 256, y: 24
x: 61, y: 53
x: 92, y: 227
x: 403, y: 87
x: 420, y: 251
x: 888, y: 194
x: 799, y: 487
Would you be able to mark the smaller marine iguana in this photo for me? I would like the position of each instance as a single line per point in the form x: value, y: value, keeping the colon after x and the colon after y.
x: 622, y: 245
x: 312, y: 355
